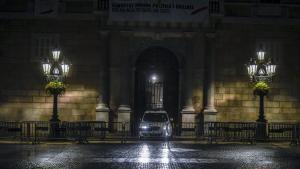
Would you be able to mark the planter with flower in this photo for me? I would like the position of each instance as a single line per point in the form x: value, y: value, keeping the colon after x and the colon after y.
x: 261, y: 88
x: 55, y: 88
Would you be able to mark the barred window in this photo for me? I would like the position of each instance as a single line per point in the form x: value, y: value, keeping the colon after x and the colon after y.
x: 103, y: 5
x: 273, y: 48
x: 43, y: 44
x: 46, y: 7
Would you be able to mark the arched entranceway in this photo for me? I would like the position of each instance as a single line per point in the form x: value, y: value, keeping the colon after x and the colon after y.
x: 156, y: 83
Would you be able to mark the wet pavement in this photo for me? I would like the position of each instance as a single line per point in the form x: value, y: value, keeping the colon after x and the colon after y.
x: 148, y: 155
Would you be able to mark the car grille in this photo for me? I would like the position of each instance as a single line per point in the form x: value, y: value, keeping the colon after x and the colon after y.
x: 152, y: 134
x: 154, y: 128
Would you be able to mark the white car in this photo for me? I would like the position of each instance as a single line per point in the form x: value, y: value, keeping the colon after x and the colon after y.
x: 155, y: 124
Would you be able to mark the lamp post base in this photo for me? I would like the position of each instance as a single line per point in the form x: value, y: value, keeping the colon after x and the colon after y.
x: 54, y: 128
x: 54, y: 121
x: 261, y: 130
x: 261, y: 122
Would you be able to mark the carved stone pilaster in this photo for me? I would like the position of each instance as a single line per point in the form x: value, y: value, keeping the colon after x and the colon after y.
x: 209, y: 110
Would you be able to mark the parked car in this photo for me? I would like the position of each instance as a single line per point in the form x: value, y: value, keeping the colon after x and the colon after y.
x: 155, y: 124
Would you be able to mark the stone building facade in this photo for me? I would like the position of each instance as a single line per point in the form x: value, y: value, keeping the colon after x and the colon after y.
x: 202, y: 64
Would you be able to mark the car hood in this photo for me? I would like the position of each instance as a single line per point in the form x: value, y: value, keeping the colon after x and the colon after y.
x: 153, y: 123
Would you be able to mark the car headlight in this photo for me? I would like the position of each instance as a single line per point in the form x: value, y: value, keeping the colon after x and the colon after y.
x: 169, y: 127
x: 165, y: 127
x: 144, y: 127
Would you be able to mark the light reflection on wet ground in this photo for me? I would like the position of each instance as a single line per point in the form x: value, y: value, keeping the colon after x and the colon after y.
x: 147, y: 155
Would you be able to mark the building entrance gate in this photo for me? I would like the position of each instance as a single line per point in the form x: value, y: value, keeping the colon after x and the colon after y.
x: 156, y: 83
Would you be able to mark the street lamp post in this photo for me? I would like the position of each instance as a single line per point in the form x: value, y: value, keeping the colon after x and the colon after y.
x: 261, y: 71
x: 55, y: 70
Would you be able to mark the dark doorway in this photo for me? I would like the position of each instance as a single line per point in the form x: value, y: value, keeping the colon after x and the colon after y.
x: 156, y: 83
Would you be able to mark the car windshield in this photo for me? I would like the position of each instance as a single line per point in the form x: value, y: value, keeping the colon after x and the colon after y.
x: 155, y: 117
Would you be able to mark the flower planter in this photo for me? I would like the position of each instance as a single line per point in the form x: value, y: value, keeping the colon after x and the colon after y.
x: 55, y: 88
x: 260, y: 92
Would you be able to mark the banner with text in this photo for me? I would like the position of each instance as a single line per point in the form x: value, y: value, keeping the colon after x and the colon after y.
x: 158, y: 10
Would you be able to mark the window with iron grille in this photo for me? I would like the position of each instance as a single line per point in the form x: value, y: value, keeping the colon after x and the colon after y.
x: 42, y: 44
x: 46, y: 7
x: 103, y: 5
x: 272, y: 47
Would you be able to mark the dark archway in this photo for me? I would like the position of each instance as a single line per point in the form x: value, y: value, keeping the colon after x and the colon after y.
x: 162, y: 63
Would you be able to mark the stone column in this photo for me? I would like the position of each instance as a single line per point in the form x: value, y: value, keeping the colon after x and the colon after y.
x: 114, y: 92
x: 186, y: 77
x: 102, y: 110
x: 124, y: 109
x: 209, y: 110
x: 116, y: 54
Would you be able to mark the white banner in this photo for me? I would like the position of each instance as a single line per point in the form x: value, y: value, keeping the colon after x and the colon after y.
x: 158, y: 10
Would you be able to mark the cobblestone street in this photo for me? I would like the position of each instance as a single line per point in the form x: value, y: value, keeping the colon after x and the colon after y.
x: 148, y: 155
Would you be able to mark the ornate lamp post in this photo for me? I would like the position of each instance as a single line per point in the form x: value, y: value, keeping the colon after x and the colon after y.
x: 55, y: 70
x: 261, y: 71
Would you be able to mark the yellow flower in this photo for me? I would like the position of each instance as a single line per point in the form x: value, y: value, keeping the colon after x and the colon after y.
x: 261, y: 88
x: 55, y: 87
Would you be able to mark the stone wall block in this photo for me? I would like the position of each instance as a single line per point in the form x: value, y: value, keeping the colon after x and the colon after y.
x: 90, y: 100
x: 39, y: 99
x: 15, y: 92
x: 284, y: 98
x: 219, y: 96
x: 76, y: 112
x: 246, y: 97
x: 220, y: 103
x: 296, y: 105
x: 242, y: 84
x: 90, y: 93
x: 248, y: 117
x: 235, y: 103
x: 227, y: 91
x: 75, y: 87
x: 272, y: 104
x: 20, y: 99
x: 249, y: 109
x: 64, y: 99
x: 219, y: 84
x: 284, y: 92
x: 49, y: 99
x: 33, y: 93
x: 250, y: 104
x: 272, y: 110
x: 220, y: 90
x: 288, y: 110
x: 248, y: 91
x: 87, y: 106
x: 42, y: 111
x: 42, y: 106
x: 286, y: 104
x: 229, y: 96
x: 68, y: 105
x: 43, y: 93
x: 18, y: 105
x: 235, y: 109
